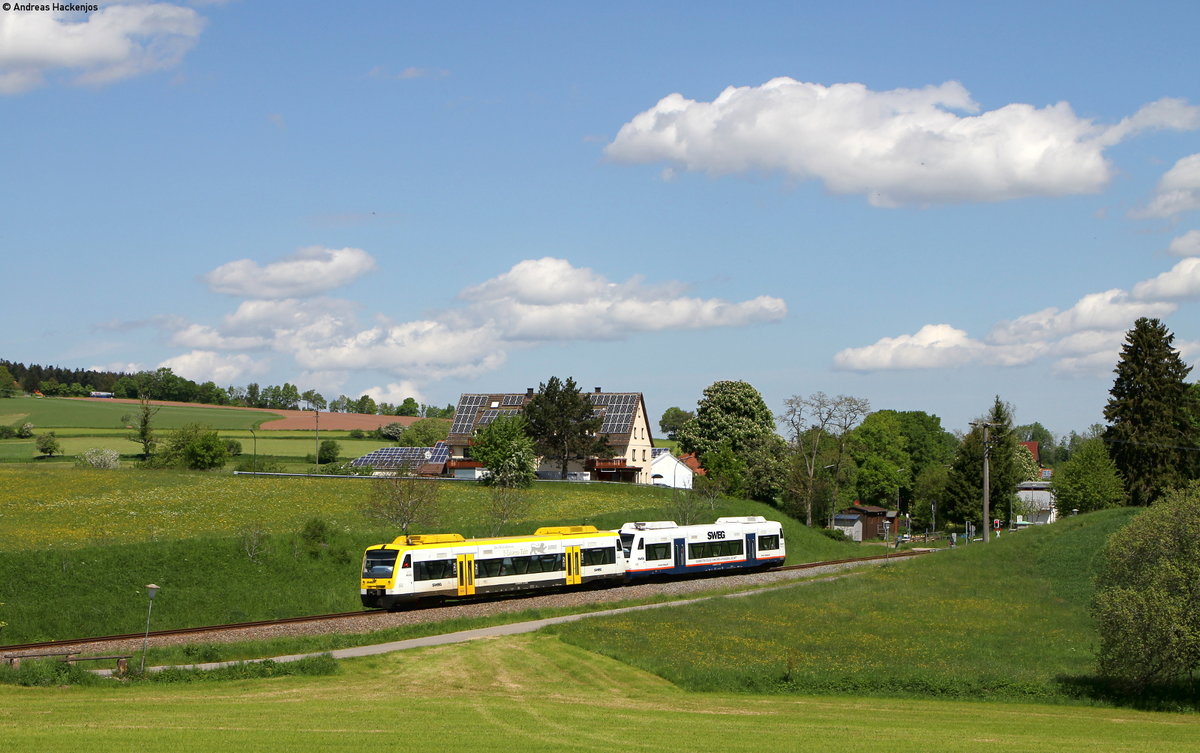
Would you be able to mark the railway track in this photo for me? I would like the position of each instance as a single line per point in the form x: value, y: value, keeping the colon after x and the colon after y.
x: 210, y: 630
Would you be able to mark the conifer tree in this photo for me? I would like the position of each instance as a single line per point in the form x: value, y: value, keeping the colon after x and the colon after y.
x: 563, y: 423
x: 1151, y: 414
x: 964, y: 489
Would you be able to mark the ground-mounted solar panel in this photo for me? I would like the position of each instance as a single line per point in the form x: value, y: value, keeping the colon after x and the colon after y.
x: 392, y: 458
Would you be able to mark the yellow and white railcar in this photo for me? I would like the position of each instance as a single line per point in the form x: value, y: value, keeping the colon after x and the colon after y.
x: 662, y: 548
x: 440, y: 565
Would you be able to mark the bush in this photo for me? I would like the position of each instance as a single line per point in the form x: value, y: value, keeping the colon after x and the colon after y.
x: 834, y: 533
x: 47, y: 444
x: 357, y: 434
x: 233, y: 447
x: 328, y: 451
x: 96, y: 457
x: 191, y: 446
x: 1147, y: 606
x: 25, y: 431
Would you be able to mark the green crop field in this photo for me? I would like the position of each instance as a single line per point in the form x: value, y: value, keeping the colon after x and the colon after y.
x: 536, y: 694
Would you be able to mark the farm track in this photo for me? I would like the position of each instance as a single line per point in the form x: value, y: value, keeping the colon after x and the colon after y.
x: 365, y: 621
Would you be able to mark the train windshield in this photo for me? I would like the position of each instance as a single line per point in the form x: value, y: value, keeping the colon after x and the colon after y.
x: 627, y: 542
x: 379, y: 563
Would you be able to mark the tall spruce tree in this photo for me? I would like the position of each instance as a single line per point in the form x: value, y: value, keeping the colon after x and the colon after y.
x: 563, y: 424
x: 1151, y: 414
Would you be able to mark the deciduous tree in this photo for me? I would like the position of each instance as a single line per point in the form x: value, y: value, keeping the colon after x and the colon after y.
x: 812, y: 421
x: 403, y: 502
x: 47, y: 444
x: 1088, y: 481
x: 673, y: 419
x: 506, y: 450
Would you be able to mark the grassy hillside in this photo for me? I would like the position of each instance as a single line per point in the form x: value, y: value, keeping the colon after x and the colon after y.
x: 1006, y: 620
x: 533, y: 694
x: 76, y: 546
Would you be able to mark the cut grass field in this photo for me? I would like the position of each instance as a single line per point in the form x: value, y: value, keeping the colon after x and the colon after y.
x: 535, y: 694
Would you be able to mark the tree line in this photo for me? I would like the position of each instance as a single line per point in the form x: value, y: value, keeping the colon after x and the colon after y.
x: 165, y: 384
x: 837, y: 450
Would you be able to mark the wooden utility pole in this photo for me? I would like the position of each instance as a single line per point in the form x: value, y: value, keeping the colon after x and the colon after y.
x: 987, y: 482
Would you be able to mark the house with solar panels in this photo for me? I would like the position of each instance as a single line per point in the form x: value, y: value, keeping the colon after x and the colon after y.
x: 406, y: 461
x: 625, y: 425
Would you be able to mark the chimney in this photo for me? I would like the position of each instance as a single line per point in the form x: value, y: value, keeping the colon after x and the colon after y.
x: 597, y: 390
x: 528, y: 392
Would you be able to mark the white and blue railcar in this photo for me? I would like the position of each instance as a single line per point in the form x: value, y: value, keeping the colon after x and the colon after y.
x: 662, y: 548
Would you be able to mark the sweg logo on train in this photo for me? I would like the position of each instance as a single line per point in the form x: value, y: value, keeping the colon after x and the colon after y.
x: 716, y: 534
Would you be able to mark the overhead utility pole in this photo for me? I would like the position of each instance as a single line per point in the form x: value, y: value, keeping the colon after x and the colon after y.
x: 987, y: 485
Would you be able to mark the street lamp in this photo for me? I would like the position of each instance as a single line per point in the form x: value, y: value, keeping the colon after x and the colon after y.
x: 152, y: 590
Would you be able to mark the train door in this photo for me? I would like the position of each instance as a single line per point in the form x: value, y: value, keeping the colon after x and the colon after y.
x: 680, y: 553
x: 574, y: 566
x: 751, y: 552
x: 466, y: 574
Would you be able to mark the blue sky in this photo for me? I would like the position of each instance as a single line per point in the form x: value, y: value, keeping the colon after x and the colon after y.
x: 922, y: 204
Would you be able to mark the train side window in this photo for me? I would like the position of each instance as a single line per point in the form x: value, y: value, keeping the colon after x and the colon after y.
x: 434, y: 570
x: 768, y: 543
x: 658, y: 551
x: 599, y: 556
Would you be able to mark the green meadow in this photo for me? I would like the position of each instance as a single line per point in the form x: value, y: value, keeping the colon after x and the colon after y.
x: 91, y: 539
x: 974, y: 647
x: 1008, y: 620
x: 81, y: 425
x: 537, y: 694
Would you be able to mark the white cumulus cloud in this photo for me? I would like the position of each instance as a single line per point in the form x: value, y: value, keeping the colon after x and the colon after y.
x: 1084, y: 339
x: 536, y: 301
x: 307, y: 272
x: 905, y: 146
x: 112, y: 43
x: 207, y: 365
x: 1180, y: 282
x: 1178, y: 190
x: 395, y: 392
x: 1187, y: 244
x: 550, y: 299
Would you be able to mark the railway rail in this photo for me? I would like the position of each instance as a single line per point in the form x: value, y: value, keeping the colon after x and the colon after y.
x: 211, y: 630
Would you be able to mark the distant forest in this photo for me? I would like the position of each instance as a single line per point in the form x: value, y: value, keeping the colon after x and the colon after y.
x: 164, y: 384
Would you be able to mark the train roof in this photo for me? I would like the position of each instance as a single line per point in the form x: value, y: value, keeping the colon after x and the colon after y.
x: 545, y: 533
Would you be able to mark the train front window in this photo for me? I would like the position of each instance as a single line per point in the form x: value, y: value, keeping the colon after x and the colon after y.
x: 379, y: 563
x: 627, y: 542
